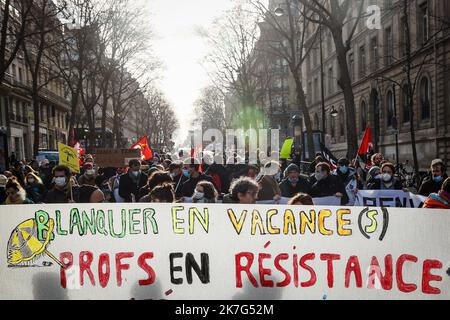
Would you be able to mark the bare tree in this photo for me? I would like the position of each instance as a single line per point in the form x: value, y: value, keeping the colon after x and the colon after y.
x: 210, y: 109
x: 232, y: 61
x: 285, y: 36
x: 414, y: 59
x: 43, y: 25
x: 130, y: 66
x: 15, y: 18
x: 336, y: 15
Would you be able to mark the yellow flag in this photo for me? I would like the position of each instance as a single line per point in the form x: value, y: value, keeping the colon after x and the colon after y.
x: 69, y: 157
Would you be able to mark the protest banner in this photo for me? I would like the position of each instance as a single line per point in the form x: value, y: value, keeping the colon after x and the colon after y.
x: 115, y: 158
x: 68, y: 157
x: 389, y: 198
x: 193, y: 251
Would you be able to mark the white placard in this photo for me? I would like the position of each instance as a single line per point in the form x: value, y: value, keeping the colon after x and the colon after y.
x: 214, y: 252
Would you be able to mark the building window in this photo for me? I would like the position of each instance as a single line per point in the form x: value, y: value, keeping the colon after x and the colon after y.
x: 404, y: 36
x: 406, y: 115
x: 362, y: 61
x: 425, y: 94
x: 341, y: 121
x: 351, y: 66
x: 363, y: 116
x: 330, y: 81
x: 390, y: 109
x: 316, y: 122
x: 374, y: 47
x: 389, y: 46
x: 332, y: 126
x: 424, y: 23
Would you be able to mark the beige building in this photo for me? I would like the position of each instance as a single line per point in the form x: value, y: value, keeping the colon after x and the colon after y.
x: 376, y: 62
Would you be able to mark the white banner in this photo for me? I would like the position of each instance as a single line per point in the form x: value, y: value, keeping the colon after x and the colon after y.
x: 214, y: 252
x: 389, y: 198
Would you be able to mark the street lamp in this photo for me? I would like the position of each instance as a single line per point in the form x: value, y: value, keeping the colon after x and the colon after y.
x: 334, y: 112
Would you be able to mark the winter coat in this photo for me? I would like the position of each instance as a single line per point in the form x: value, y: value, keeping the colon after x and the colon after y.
x: 430, y: 186
x: 328, y: 187
x: 289, y: 191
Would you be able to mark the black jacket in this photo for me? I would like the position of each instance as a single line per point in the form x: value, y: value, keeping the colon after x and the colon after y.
x: 127, y: 187
x: 61, y: 196
x: 178, y: 185
x: 429, y: 186
x: 289, y: 191
x: 328, y: 188
x: 189, y: 186
x: 375, y: 184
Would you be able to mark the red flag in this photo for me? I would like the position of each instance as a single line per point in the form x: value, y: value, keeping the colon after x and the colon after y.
x: 366, y: 147
x: 195, y: 154
x: 146, y: 152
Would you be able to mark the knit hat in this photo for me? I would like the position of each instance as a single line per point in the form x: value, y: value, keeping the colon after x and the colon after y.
x: 373, y: 170
x: 292, y: 168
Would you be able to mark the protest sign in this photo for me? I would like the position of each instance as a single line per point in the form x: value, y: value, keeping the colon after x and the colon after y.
x: 287, y: 149
x: 192, y: 251
x: 69, y: 157
x: 389, y: 198
x: 115, y: 158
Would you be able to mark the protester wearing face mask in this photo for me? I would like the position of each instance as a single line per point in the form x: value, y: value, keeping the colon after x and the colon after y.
x: 3, y: 182
x: 294, y: 183
x: 88, y: 177
x: 131, y: 182
x: 386, y: 180
x: 178, y: 177
x: 433, y: 182
x: 328, y: 185
x: 192, y: 171
x: 64, y: 188
x: 205, y: 193
x: 15, y: 193
x: 114, y: 185
x: 34, y: 187
x: 348, y: 177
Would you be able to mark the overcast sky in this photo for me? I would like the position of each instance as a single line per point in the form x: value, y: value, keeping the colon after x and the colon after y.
x: 181, y: 49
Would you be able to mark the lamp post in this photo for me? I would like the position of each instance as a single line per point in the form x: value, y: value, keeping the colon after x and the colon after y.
x: 395, y: 126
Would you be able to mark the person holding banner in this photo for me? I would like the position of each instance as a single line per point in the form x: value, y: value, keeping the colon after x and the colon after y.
x: 327, y: 185
x: 349, y: 179
x: 439, y: 200
x: 294, y: 183
x: 64, y: 190
x: 387, y: 180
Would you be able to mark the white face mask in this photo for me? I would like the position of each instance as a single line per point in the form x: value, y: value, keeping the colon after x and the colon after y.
x: 386, y: 177
x: 60, y: 181
x: 319, y: 176
x: 135, y: 173
x: 90, y: 172
x: 31, y: 180
x: 198, y: 195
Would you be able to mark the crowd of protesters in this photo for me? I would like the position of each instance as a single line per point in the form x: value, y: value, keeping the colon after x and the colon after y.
x: 167, y: 181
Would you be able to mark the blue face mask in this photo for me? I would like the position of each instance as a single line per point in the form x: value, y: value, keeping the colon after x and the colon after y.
x: 186, y: 173
x: 343, y: 169
x: 438, y: 179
